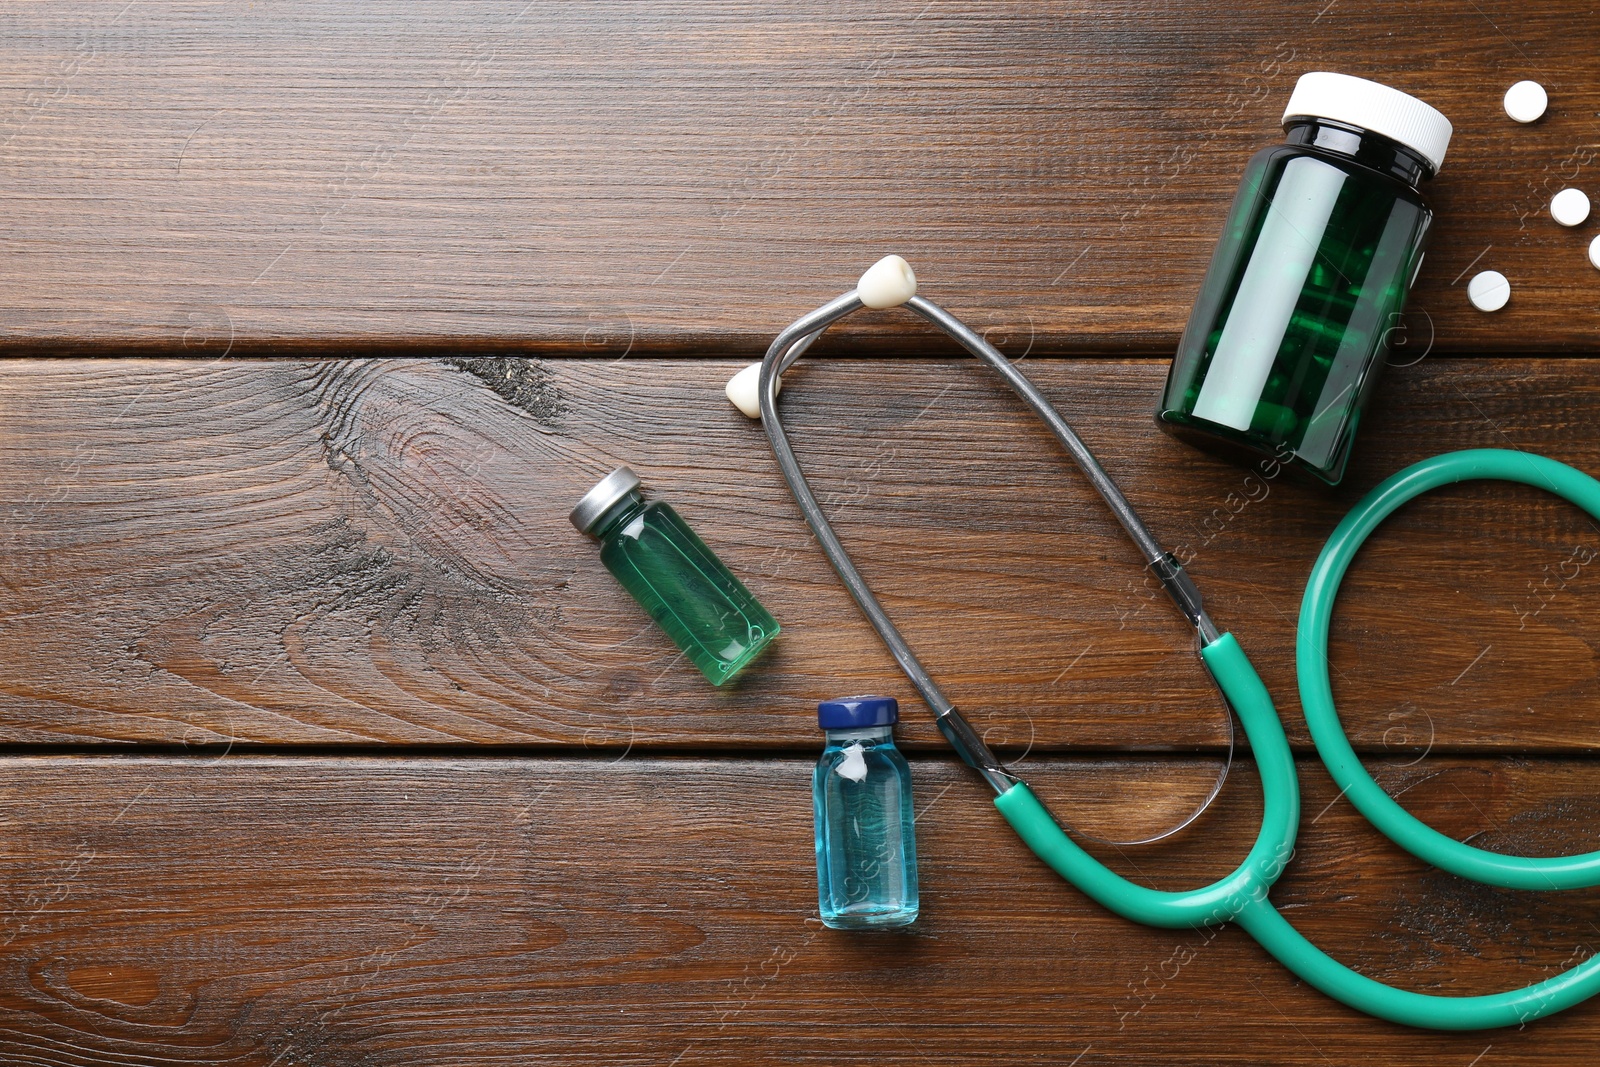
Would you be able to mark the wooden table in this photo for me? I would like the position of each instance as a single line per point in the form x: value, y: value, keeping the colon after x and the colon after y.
x: 327, y: 741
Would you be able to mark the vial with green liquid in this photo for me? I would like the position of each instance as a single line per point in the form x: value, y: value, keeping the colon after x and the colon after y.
x: 678, y: 581
x: 1302, y: 301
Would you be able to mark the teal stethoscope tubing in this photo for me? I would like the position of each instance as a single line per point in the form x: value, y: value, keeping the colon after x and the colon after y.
x: 1316, y: 694
x: 1243, y: 895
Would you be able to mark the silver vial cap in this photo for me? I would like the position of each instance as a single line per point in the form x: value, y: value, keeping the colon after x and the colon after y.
x: 612, y: 489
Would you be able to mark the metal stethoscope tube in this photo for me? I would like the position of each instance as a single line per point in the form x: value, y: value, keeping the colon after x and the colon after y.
x: 787, y: 347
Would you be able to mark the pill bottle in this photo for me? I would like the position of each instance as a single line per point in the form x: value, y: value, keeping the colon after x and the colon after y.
x: 861, y: 796
x: 1303, y: 297
x: 680, y: 582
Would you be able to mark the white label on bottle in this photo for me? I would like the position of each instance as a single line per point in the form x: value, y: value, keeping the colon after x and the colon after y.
x: 1268, y: 292
x: 853, y: 766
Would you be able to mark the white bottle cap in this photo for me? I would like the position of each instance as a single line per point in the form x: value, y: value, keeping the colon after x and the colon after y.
x: 1489, y: 290
x: 1526, y: 101
x: 1386, y: 111
x: 1569, y: 207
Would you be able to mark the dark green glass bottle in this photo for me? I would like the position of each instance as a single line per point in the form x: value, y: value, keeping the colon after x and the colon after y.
x: 1294, y: 319
x: 680, y: 582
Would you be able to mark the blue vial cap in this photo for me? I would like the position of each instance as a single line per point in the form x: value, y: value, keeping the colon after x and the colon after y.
x: 851, y: 712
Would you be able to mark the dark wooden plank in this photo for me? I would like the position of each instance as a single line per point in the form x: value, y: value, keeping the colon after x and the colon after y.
x: 378, y: 552
x: 690, y: 176
x: 442, y: 912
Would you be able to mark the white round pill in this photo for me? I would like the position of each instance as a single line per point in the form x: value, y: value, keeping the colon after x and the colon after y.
x: 1526, y: 101
x: 1489, y: 290
x: 1569, y: 207
x: 1594, y: 253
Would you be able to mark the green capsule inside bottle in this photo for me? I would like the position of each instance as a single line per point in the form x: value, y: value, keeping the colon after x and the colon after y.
x: 680, y: 583
x: 1302, y: 302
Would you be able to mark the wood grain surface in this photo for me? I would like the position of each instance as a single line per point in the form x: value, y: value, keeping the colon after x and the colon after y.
x: 378, y: 552
x: 429, y: 912
x: 325, y: 741
x: 200, y: 176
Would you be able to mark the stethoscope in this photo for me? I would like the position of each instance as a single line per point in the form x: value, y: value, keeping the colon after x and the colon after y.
x: 1241, y: 897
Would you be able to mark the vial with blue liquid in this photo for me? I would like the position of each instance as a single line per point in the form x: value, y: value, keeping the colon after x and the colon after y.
x: 861, y: 790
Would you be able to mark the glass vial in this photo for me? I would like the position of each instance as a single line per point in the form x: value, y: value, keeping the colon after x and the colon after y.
x: 1304, y: 293
x: 861, y: 796
x: 685, y: 588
